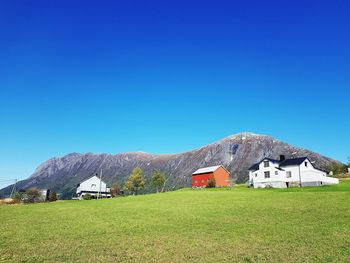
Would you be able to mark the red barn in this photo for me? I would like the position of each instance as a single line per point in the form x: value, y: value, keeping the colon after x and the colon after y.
x: 201, y: 176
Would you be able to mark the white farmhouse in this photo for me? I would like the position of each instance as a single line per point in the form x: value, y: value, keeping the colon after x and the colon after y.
x: 93, y: 186
x: 284, y: 173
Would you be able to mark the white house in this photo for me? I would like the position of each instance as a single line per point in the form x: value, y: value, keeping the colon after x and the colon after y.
x: 284, y: 173
x: 93, y: 186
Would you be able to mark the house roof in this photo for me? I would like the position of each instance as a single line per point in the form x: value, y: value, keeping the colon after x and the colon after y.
x: 270, y: 159
x: 205, y: 170
x: 295, y: 161
x: 255, y: 166
x: 286, y: 162
x: 90, y: 178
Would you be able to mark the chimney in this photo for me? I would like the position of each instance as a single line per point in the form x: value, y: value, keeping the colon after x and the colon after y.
x: 282, y: 158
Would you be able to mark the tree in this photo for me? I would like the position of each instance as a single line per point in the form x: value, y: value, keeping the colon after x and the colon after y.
x: 338, y: 168
x: 53, y: 197
x: 135, y: 181
x: 116, y: 190
x: 158, y: 179
x: 32, y: 194
x: 18, y: 197
x: 211, y: 182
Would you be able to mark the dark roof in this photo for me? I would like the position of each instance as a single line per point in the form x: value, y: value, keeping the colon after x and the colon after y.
x: 294, y: 161
x: 270, y: 159
x: 322, y: 170
x: 254, y: 167
x: 286, y: 162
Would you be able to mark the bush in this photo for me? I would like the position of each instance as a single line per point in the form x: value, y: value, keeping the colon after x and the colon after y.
x: 53, y: 197
x: 18, y: 197
x: 116, y: 190
x: 211, y: 182
x: 87, y: 197
x: 32, y: 195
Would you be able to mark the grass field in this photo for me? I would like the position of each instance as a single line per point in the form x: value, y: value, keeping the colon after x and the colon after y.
x: 212, y: 225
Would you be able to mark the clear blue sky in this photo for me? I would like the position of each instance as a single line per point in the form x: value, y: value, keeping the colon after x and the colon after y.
x: 170, y: 76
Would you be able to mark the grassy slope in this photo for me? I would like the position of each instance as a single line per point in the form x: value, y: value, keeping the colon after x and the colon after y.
x: 275, y: 225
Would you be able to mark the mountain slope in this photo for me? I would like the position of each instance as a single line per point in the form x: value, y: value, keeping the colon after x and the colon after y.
x: 236, y: 153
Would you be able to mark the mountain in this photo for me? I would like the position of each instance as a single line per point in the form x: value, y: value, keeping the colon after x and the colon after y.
x: 237, y: 153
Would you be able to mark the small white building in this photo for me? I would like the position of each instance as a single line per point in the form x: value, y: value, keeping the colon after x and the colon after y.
x: 44, y: 194
x: 93, y: 186
x: 285, y: 173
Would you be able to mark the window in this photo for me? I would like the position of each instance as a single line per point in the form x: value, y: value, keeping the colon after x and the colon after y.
x: 256, y: 175
x: 276, y: 172
x: 266, y: 163
x: 202, y: 181
x: 305, y: 164
x: 267, y: 174
x: 289, y: 174
x: 196, y: 182
x: 93, y: 185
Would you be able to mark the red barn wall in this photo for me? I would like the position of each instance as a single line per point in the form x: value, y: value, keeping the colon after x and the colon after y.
x: 200, y: 180
x: 221, y: 177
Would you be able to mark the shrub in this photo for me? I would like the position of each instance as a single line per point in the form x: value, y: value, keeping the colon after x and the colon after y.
x: 32, y: 195
x: 18, y: 197
x: 87, y: 197
x: 211, y: 182
x: 116, y: 190
x: 53, y: 197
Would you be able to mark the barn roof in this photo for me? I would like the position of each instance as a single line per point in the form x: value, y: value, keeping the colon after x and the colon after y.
x: 205, y: 170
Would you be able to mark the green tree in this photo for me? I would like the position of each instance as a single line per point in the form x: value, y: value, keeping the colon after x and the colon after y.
x: 32, y: 195
x: 135, y: 181
x: 338, y: 168
x: 211, y: 182
x: 18, y: 197
x: 53, y: 197
x: 158, y: 179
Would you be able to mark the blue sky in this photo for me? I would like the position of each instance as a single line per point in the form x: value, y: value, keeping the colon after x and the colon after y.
x: 169, y: 76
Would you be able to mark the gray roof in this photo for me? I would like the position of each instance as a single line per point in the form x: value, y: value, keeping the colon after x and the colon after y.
x: 205, y: 170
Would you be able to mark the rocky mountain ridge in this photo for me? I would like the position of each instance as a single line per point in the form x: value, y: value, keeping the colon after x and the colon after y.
x: 237, y: 153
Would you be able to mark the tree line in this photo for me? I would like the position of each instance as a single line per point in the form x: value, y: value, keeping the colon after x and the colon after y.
x: 136, y: 182
x: 33, y: 195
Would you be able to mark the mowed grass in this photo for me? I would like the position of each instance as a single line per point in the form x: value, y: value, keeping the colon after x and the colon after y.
x: 212, y: 225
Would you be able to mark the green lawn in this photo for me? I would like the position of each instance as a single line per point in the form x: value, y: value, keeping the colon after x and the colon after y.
x: 213, y: 225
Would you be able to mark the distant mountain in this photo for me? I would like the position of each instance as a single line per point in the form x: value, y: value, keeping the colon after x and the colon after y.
x: 237, y: 153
